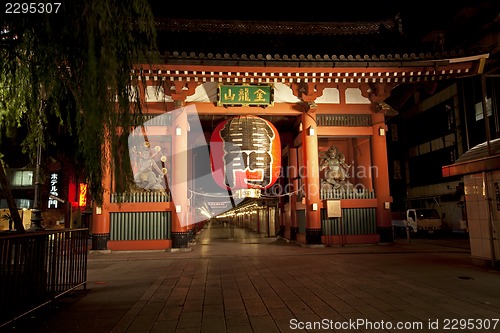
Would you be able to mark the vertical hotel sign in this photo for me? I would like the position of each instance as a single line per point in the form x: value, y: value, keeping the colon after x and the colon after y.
x: 54, y: 190
x: 245, y: 95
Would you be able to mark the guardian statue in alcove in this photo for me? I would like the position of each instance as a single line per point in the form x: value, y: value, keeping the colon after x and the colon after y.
x: 334, y: 170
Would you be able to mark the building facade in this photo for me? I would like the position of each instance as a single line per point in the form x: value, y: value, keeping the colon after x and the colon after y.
x: 438, y: 122
x: 330, y: 115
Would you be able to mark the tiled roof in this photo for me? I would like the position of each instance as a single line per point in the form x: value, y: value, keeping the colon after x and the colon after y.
x: 483, y: 157
x: 480, y: 151
x: 272, y: 27
x: 197, y: 41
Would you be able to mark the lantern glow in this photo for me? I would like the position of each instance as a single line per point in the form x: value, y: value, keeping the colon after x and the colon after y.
x: 245, y: 153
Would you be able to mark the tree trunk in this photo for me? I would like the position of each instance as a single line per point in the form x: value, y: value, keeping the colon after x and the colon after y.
x: 14, y: 213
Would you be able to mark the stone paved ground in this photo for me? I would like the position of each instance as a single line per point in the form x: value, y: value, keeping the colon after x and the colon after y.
x: 250, y: 284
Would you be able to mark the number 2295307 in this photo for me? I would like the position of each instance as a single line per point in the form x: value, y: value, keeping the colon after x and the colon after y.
x: 471, y: 324
x: 32, y: 7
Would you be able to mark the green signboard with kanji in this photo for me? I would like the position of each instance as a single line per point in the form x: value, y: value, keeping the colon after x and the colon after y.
x: 245, y: 95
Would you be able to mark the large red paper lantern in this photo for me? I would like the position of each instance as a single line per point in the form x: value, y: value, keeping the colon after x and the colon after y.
x: 245, y: 152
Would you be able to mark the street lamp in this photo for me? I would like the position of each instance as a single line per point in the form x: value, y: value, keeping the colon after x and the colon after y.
x: 36, y: 212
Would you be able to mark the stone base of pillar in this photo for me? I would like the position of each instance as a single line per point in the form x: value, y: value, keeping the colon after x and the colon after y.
x: 386, y: 234
x: 100, y: 241
x: 313, y: 236
x: 181, y: 239
x: 293, y: 233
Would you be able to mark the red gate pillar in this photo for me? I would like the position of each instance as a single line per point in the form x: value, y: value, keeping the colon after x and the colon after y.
x: 380, y: 176
x: 180, y: 223
x: 293, y: 173
x: 309, y: 172
x: 100, y: 216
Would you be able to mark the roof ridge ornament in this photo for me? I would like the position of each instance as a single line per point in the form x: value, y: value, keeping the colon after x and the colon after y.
x: 278, y: 27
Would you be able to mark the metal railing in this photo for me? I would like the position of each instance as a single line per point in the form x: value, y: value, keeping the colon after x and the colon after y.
x: 140, y: 197
x: 354, y: 221
x: 360, y: 193
x: 352, y: 120
x: 140, y: 225
x: 38, y: 267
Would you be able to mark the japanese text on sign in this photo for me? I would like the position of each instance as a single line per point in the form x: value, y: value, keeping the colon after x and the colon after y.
x: 54, y: 189
x: 245, y: 95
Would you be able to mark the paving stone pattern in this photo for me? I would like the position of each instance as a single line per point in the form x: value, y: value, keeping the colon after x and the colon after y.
x: 253, y: 284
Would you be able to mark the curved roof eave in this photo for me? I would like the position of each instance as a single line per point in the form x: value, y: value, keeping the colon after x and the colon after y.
x: 480, y: 158
x: 268, y: 60
x: 227, y: 69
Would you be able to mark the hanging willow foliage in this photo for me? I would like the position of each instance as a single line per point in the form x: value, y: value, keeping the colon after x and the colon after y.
x: 75, y: 66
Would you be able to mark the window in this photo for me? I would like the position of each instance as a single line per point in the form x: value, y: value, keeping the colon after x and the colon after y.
x: 21, y: 178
